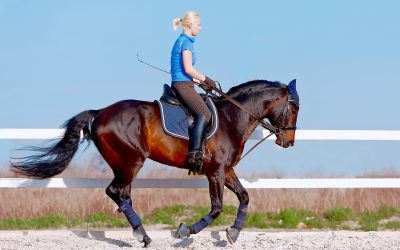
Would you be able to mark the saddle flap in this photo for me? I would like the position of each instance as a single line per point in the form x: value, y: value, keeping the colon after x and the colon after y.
x: 176, y: 122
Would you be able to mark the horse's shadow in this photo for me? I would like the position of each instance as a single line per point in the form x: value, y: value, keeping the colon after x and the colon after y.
x: 188, y: 241
x: 219, y: 242
x: 100, y: 235
x: 184, y: 243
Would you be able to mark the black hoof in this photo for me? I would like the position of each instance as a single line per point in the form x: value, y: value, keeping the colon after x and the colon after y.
x: 141, y: 235
x: 182, y: 232
x: 232, y: 234
x: 146, y: 240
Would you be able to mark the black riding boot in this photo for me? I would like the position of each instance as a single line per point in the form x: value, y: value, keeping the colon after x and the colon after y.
x: 196, y: 137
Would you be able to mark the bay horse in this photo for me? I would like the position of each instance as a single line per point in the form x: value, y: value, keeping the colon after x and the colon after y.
x: 128, y: 132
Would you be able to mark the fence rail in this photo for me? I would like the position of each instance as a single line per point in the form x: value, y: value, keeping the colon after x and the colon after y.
x: 203, y: 183
x: 360, y: 135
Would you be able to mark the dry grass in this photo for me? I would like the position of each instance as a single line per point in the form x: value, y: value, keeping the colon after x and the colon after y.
x: 26, y: 202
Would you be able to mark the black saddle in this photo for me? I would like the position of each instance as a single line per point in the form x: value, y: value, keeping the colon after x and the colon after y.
x: 177, y: 119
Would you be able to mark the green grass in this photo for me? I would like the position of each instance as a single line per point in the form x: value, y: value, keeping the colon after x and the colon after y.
x: 314, y: 222
x: 392, y: 225
x: 166, y: 215
x: 51, y: 221
x: 339, y: 214
x: 336, y: 216
x: 95, y: 220
x: 288, y: 218
x: 171, y: 216
x: 101, y: 219
x: 256, y: 219
x: 369, y: 220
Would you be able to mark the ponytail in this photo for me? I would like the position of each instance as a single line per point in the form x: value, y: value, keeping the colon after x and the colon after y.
x: 176, y: 22
x: 186, y: 20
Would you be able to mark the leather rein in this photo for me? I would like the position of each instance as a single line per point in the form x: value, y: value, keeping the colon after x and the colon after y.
x: 277, y: 131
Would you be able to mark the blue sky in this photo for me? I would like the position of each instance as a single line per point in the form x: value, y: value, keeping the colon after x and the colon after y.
x: 58, y: 58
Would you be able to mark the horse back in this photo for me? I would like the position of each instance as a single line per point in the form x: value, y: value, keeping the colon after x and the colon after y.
x: 133, y: 127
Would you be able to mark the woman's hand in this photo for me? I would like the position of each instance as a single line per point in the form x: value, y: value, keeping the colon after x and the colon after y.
x: 210, y: 82
x: 196, y: 81
x: 208, y: 85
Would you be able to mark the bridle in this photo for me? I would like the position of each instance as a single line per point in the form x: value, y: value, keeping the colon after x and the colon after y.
x: 277, y: 131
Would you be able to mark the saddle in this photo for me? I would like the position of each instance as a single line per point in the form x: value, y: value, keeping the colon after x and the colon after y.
x: 177, y: 119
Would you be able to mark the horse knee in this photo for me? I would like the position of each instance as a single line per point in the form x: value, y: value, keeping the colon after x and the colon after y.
x: 244, y: 198
x: 109, y: 191
x: 112, y: 192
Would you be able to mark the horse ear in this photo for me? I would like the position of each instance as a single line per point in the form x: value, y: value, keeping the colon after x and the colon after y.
x: 293, y: 91
x: 292, y: 84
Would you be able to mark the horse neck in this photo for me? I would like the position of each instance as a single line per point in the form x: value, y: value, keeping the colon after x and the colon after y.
x: 262, y: 104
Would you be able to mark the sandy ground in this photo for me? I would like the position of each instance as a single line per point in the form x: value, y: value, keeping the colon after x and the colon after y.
x: 209, y: 239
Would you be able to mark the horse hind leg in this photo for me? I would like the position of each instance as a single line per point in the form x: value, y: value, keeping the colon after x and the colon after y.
x: 120, y: 192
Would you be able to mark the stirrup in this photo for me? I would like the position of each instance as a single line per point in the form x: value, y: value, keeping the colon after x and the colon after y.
x: 206, y: 157
x: 206, y: 154
x: 195, y: 156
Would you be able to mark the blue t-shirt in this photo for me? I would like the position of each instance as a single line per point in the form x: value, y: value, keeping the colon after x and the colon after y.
x: 184, y: 42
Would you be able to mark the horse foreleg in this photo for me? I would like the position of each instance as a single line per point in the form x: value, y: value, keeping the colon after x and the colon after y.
x: 216, y: 188
x: 121, y: 195
x: 233, y: 184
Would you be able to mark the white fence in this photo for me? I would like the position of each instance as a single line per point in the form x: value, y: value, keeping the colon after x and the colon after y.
x: 360, y: 135
x: 203, y: 183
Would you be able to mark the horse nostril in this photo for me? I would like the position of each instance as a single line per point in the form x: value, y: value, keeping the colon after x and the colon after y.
x: 291, y: 143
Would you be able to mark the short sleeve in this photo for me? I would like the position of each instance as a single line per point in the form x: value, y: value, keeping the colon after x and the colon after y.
x: 186, y: 45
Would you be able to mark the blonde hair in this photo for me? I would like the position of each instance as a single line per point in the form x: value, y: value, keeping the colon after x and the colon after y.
x: 189, y: 18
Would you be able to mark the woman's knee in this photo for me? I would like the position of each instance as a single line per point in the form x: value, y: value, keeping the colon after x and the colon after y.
x: 208, y: 116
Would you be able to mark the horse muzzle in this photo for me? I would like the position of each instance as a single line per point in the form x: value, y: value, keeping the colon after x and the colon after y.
x: 285, y: 143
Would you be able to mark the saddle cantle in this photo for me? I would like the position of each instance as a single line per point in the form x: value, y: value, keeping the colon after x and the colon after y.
x: 177, y: 120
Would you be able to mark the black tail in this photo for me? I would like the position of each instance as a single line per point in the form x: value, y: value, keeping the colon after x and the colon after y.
x: 54, y: 159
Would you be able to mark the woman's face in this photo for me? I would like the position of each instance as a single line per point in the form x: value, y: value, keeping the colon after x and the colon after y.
x: 195, y: 27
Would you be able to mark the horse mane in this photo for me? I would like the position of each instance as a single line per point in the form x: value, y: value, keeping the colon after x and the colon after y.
x: 254, y: 83
x: 251, y: 89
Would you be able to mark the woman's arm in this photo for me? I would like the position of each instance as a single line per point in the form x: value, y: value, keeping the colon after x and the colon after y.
x: 189, y: 69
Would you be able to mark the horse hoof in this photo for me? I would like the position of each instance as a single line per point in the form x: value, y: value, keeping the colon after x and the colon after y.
x: 141, y: 235
x: 147, y: 241
x: 232, y: 234
x: 182, y: 232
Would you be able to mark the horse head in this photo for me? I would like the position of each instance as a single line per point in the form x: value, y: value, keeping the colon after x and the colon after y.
x: 284, y: 116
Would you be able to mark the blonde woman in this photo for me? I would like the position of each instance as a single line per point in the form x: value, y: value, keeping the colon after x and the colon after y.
x: 184, y: 77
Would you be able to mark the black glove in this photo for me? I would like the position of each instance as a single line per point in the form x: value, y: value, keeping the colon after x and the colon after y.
x: 206, y: 84
x: 210, y: 82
